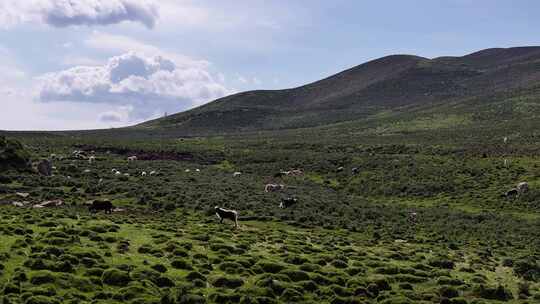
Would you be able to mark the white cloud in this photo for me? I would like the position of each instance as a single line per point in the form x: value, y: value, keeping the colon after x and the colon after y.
x: 63, y: 13
x: 149, y: 85
x: 124, y: 44
x: 72, y: 60
x: 118, y: 115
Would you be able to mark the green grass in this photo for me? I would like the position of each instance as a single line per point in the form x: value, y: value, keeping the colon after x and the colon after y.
x: 350, y: 234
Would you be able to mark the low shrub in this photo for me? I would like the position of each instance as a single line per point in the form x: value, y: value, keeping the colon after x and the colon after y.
x: 227, y: 282
x: 115, y: 277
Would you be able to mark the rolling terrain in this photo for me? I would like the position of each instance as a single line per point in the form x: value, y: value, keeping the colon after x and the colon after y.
x: 477, y: 84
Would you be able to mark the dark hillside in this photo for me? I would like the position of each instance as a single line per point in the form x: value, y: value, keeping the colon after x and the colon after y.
x: 399, y: 83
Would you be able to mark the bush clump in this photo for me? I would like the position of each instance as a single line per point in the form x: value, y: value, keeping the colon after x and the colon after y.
x: 493, y: 293
x: 42, y: 277
x: 181, y: 264
x: 227, y: 282
x: 270, y: 267
x: 115, y: 277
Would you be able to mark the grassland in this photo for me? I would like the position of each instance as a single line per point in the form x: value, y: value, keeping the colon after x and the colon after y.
x: 350, y: 239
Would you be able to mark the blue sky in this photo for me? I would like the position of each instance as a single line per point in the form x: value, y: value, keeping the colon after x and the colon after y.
x: 108, y: 63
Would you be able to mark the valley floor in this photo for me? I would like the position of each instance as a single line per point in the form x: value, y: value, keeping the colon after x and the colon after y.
x: 415, y: 224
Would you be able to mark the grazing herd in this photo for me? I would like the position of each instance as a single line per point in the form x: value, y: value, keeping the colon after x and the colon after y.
x: 45, y: 168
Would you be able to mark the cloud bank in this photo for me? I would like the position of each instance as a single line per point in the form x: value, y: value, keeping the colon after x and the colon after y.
x: 142, y: 86
x: 63, y: 13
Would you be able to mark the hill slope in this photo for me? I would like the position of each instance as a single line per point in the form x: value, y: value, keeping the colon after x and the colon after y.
x: 400, y: 83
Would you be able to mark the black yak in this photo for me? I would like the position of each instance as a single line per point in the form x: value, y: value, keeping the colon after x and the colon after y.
x: 99, y: 205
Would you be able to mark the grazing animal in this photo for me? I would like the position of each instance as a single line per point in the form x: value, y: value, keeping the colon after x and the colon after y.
x: 340, y: 169
x: 101, y: 205
x: 18, y: 204
x: 132, y: 158
x: 280, y: 174
x: 49, y: 204
x: 412, y: 217
x: 117, y: 173
x: 223, y: 213
x: 91, y: 159
x: 126, y: 174
x: 288, y: 202
x: 143, y: 173
x: 511, y: 193
x: 235, y: 174
x: 198, y: 170
x: 355, y: 170
x: 153, y: 172
x: 296, y: 172
x: 522, y: 187
x: 273, y: 187
x: 45, y: 167
x: 87, y: 171
x: 79, y: 154
x: 187, y: 170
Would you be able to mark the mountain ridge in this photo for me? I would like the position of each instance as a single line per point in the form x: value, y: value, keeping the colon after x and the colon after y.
x: 389, y: 83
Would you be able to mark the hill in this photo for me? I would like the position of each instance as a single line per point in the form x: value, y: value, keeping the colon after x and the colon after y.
x: 394, y: 84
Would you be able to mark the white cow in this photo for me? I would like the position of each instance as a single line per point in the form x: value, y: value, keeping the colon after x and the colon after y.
x: 235, y: 174
x: 132, y: 158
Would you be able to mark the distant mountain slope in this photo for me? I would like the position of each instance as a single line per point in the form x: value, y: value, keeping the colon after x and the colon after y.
x: 393, y: 83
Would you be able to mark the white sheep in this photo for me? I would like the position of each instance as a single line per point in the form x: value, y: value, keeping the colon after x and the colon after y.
x: 522, y: 187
